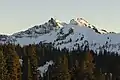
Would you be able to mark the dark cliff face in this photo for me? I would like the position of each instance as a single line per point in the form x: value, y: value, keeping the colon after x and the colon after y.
x: 3, y: 37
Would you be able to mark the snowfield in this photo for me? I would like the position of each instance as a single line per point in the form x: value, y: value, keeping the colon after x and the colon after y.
x: 43, y: 69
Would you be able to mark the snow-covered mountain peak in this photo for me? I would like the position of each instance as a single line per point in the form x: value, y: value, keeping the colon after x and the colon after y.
x: 59, y: 23
x: 76, y: 34
x: 82, y: 21
x: 39, y: 30
x: 79, y: 21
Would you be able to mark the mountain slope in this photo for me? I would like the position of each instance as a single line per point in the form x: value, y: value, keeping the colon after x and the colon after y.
x: 76, y: 34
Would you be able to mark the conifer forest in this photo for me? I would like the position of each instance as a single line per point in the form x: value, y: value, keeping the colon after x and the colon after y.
x: 67, y: 65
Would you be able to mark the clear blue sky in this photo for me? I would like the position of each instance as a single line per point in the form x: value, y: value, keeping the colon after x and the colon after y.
x: 17, y: 15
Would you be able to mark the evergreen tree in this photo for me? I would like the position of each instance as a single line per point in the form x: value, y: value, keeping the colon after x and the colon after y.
x: 33, y: 61
x: 65, y: 68
x: 25, y: 64
x: 99, y: 75
x: 62, y: 71
x: 76, y: 71
x: 17, y: 67
x: 18, y: 49
x: 29, y: 71
x: 88, y: 66
x: 3, y: 69
x: 13, y: 64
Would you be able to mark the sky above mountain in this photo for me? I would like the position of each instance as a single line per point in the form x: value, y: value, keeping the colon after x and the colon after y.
x: 17, y: 15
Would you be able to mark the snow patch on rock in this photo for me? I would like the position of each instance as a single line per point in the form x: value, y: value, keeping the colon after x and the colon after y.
x: 43, y: 69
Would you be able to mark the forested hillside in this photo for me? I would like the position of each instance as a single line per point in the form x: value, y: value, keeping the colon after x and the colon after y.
x: 67, y: 65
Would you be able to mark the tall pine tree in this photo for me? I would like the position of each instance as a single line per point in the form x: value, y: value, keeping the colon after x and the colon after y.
x: 88, y: 66
x: 3, y: 68
x: 13, y: 64
x: 62, y: 71
x: 33, y: 60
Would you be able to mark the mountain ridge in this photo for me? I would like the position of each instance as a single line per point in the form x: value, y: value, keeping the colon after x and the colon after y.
x: 76, y: 34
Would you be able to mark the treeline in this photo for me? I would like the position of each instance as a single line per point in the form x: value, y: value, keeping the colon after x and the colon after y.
x: 68, y: 65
